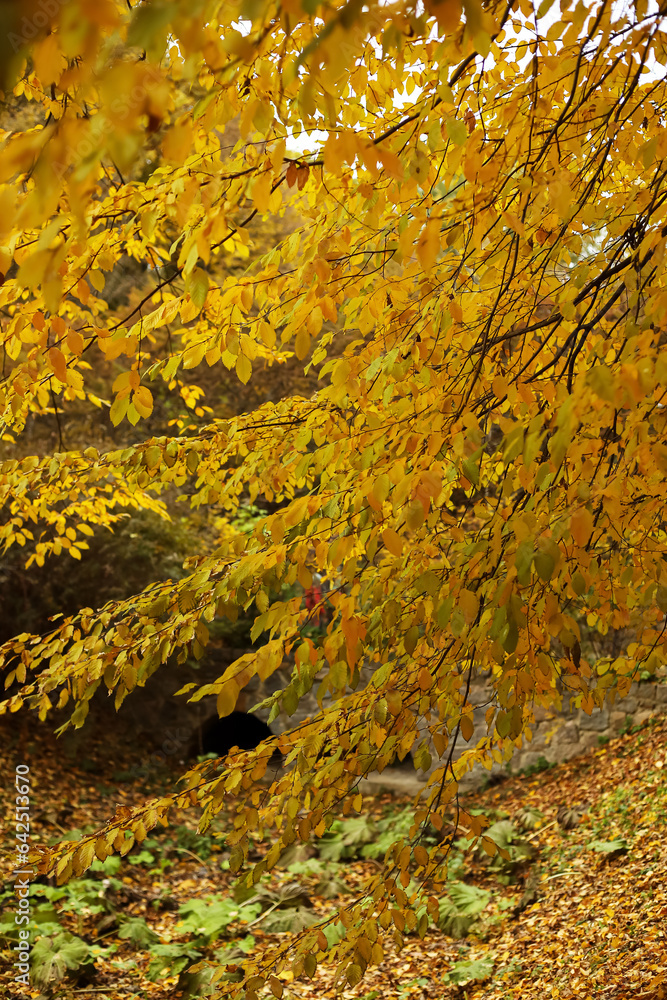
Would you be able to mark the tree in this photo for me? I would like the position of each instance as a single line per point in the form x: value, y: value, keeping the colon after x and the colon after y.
x: 479, y: 479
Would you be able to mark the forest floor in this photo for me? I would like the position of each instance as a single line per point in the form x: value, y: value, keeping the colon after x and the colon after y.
x: 577, y: 908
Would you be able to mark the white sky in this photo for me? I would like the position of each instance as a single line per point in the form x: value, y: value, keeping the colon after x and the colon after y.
x: 312, y: 141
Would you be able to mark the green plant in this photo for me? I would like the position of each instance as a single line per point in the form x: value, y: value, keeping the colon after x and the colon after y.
x: 460, y: 908
x: 473, y: 970
x: 43, y: 917
x: 612, y: 848
x: 290, y: 921
x: 627, y: 725
x: 330, y: 884
x: 170, y: 960
x: 363, y: 837
x: 347, y: 838
x: 528, y: 818
x: 206, y: 919
x: 511, y: 851
x: 229, y: 952
x: 541, y: 764
x: 55, y: 956
x: 141, y: 858
x: 137, y: 931
x: 202, y: 845
x: 83, y: 898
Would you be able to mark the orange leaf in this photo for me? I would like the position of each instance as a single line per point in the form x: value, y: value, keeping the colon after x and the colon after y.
x: 581, y: 526
x: 392, y: 541
x: 58, y: 364
x: 467, y: 728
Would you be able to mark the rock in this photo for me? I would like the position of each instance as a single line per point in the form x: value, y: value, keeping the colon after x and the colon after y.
x: 567, y: 733
x: 639, y: 718
x: 627, y: 705
x: 590, y: 739
x: 598, y: 721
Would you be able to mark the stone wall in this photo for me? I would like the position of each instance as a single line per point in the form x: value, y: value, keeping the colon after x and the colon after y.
x: 152, y: 712
x: 559, y: 736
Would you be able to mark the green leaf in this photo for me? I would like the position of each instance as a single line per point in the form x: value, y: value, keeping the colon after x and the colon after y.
x: 53, y: 957
x: 137, y: 931
x: 544, y: 8
x: 149, y: 26
x: 475, y: 970
x: 459, y: 909
x: 545, y: 565
x: 203, y: 103
x: 289, y: 921
x: 503, y: 724
x: 523, y: 561
x: 456, y: 130
x: 618, y: 846
x: 511, y: 640
x: 468, y: 899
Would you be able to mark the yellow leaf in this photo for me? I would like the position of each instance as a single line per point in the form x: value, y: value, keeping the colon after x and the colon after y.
x: 302, y: 343
x: 227, y: 698
x: 425, y: 679
x: 489, y: 847
x: 455, y: 311
x: 97, y: 280
x: 341, y: 373
x: 142, y: 400
x: 648, y: 151
x: 353, y: 974
x: 261, y: 191
x: 415, y: 515
x: 392, y: 541
x: 276, y: 987
x: 447, y: 12
x: 268, y: 334
x: 421, y: 855
x: 119, y: 409
x: 243, y: 368
x: 48, y: 59
x: 197, y: 286
x: 177, y: 143
x: 469, y: 605
x: 380, y: 490
x: 428, y: 245
x: 31, y: 271
x: 457, y: 131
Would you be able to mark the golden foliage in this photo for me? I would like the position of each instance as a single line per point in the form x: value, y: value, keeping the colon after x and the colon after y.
x: 480, y: 479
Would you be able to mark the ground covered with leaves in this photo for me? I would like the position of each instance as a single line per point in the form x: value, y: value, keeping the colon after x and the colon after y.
x: 574, y: 905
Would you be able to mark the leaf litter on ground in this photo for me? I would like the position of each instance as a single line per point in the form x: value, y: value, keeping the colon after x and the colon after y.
x: 576, y: 910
